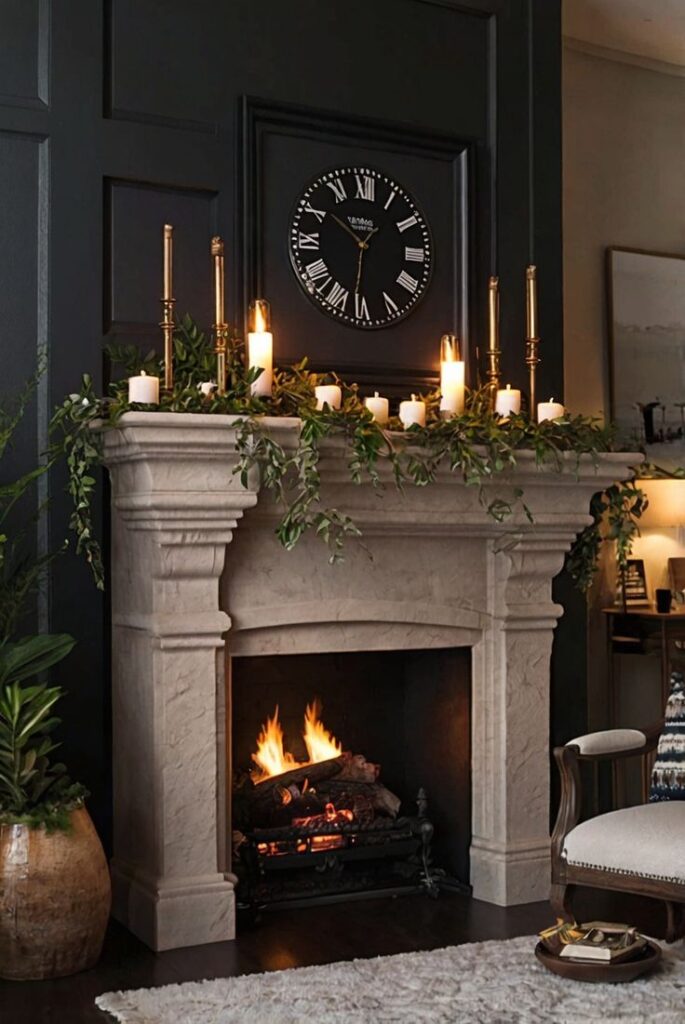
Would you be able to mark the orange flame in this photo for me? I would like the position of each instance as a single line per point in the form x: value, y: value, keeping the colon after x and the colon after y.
x: 271, y: 758
x: 321, y: 745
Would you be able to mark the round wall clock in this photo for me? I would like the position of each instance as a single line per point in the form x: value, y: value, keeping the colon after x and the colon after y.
x: 360, y: 247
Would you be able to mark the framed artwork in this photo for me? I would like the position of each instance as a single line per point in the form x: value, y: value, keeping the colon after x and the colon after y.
x: 635, y: 583
x: 646, y: 292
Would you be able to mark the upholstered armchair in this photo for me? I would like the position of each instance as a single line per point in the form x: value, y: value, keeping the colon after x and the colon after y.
x: 638, y: 849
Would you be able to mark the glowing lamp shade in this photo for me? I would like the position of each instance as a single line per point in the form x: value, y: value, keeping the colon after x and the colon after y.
x: 666, y: 503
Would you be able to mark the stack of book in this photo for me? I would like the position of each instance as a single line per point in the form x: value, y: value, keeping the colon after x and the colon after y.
x: 595, y: 942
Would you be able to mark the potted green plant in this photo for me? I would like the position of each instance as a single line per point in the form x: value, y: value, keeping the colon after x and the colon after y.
x: 54, y: 883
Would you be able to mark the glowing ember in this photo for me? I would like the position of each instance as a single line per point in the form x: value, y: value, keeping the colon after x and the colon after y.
x: 270, y: 757
x: 321, y: 746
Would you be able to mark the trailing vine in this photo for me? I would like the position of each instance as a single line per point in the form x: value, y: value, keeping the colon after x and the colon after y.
x: 477, y: 446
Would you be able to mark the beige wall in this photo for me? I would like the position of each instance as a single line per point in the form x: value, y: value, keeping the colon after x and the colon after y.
x: 624, y: 185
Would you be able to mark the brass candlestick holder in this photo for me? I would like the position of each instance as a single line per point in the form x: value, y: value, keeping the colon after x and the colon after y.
x: 494, y: 351
x: 167, y: 321
x: 220, y: 326
x: 532, y: 360
x: 532, y: 340
x: 167, y: 325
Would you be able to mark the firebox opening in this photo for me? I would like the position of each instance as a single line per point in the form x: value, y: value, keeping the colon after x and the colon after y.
x: 407, y: 712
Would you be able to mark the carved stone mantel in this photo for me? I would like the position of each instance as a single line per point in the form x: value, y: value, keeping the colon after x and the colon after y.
x: 434, y: 571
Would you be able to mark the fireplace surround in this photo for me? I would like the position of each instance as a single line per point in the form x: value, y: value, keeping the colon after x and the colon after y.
x: 197, y: 572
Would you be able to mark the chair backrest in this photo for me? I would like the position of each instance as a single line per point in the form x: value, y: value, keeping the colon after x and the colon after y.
x: 668, y: 774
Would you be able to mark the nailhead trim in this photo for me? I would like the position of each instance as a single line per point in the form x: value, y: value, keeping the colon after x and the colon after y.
x: 622, y: 871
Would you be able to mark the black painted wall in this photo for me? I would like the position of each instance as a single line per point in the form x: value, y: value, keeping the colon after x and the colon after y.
x: 116, y: 115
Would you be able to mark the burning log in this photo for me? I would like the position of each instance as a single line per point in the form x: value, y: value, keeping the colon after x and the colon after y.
x: 311, y: 773
x: 357, y: 769
x: 344, y: 793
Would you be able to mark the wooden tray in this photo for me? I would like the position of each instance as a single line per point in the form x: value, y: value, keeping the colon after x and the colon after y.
x: 626, y: 970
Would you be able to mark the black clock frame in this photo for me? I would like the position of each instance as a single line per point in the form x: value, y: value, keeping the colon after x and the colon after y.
x: 470, y: 175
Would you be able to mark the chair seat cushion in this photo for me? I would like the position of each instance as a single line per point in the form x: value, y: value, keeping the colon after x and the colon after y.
x: 648, y: 841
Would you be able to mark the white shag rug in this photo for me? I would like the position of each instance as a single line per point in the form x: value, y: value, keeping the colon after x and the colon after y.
x: 482, y: 982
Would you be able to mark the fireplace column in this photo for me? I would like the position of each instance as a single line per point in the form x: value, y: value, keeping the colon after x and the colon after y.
x: 175, y: 503
x: 510, y: 850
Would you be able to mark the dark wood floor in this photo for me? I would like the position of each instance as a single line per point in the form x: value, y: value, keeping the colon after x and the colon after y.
x: 298, y: 938
x: 292, y: 938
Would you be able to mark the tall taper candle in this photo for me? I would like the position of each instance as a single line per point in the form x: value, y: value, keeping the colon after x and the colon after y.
x: 218, y: 254
x: 168, y: 260
x: 167, y: 323
x: 531, y: 302
x: 220, y: 326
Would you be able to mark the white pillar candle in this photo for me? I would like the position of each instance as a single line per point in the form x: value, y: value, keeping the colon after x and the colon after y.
x: 412, y: 412
x: 378, y: 407
x: 508, y: 401
x: 143, y: 389
x: 260, y: 348
x: 550, y: 410
x: 452, y: 388
x: 328, y: 394
x: 208, y: 387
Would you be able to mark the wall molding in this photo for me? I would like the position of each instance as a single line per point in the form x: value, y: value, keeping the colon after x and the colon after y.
x: 662, y: 67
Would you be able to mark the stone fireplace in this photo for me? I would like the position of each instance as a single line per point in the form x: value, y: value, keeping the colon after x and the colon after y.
x: 197, y: 573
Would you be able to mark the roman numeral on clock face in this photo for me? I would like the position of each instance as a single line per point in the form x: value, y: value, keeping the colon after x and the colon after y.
x: 393, y: 193
x: 402, y: 225
x: 337, y: 296
x: 414, y: 255
x: 308, y: 241
x: 338, y: 190
x: 408, y: 282
x: 317, y: 270
x: 366, y: 187
x: 361, y: 310
x: 391, y: 306
x: 319, y: 214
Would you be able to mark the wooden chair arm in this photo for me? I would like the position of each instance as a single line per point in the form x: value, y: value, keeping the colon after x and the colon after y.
x: 651, y: 734
x: 568, y: 760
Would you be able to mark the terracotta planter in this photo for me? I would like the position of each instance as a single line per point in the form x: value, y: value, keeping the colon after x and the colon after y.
x: 54, y: 899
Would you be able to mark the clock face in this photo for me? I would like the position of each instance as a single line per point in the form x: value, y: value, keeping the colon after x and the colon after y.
x: 360, y: 247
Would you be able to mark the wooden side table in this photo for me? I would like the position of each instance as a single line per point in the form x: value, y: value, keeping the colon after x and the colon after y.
x: 641, y: 630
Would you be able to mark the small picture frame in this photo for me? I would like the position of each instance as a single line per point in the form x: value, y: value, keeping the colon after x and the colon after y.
x: 635, y: 581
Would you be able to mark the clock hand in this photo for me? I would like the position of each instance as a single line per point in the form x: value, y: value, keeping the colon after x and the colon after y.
x: 359, y: 270
x: 347, y: 228
x: 363, y: 246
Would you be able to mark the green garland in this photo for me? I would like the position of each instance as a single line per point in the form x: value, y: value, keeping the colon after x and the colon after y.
x: 478, y: 446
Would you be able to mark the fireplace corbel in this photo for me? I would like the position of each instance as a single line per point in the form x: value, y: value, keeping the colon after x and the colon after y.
x: 175, y: 506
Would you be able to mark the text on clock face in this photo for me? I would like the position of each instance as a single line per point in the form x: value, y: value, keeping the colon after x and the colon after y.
x: 360, y: 247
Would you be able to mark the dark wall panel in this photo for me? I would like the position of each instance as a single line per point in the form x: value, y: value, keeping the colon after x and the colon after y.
x: 24, y: 49
x: 136, y: 213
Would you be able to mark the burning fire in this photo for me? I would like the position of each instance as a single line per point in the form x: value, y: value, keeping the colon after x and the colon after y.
x: 271, y: 758
x: 321, y: 745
